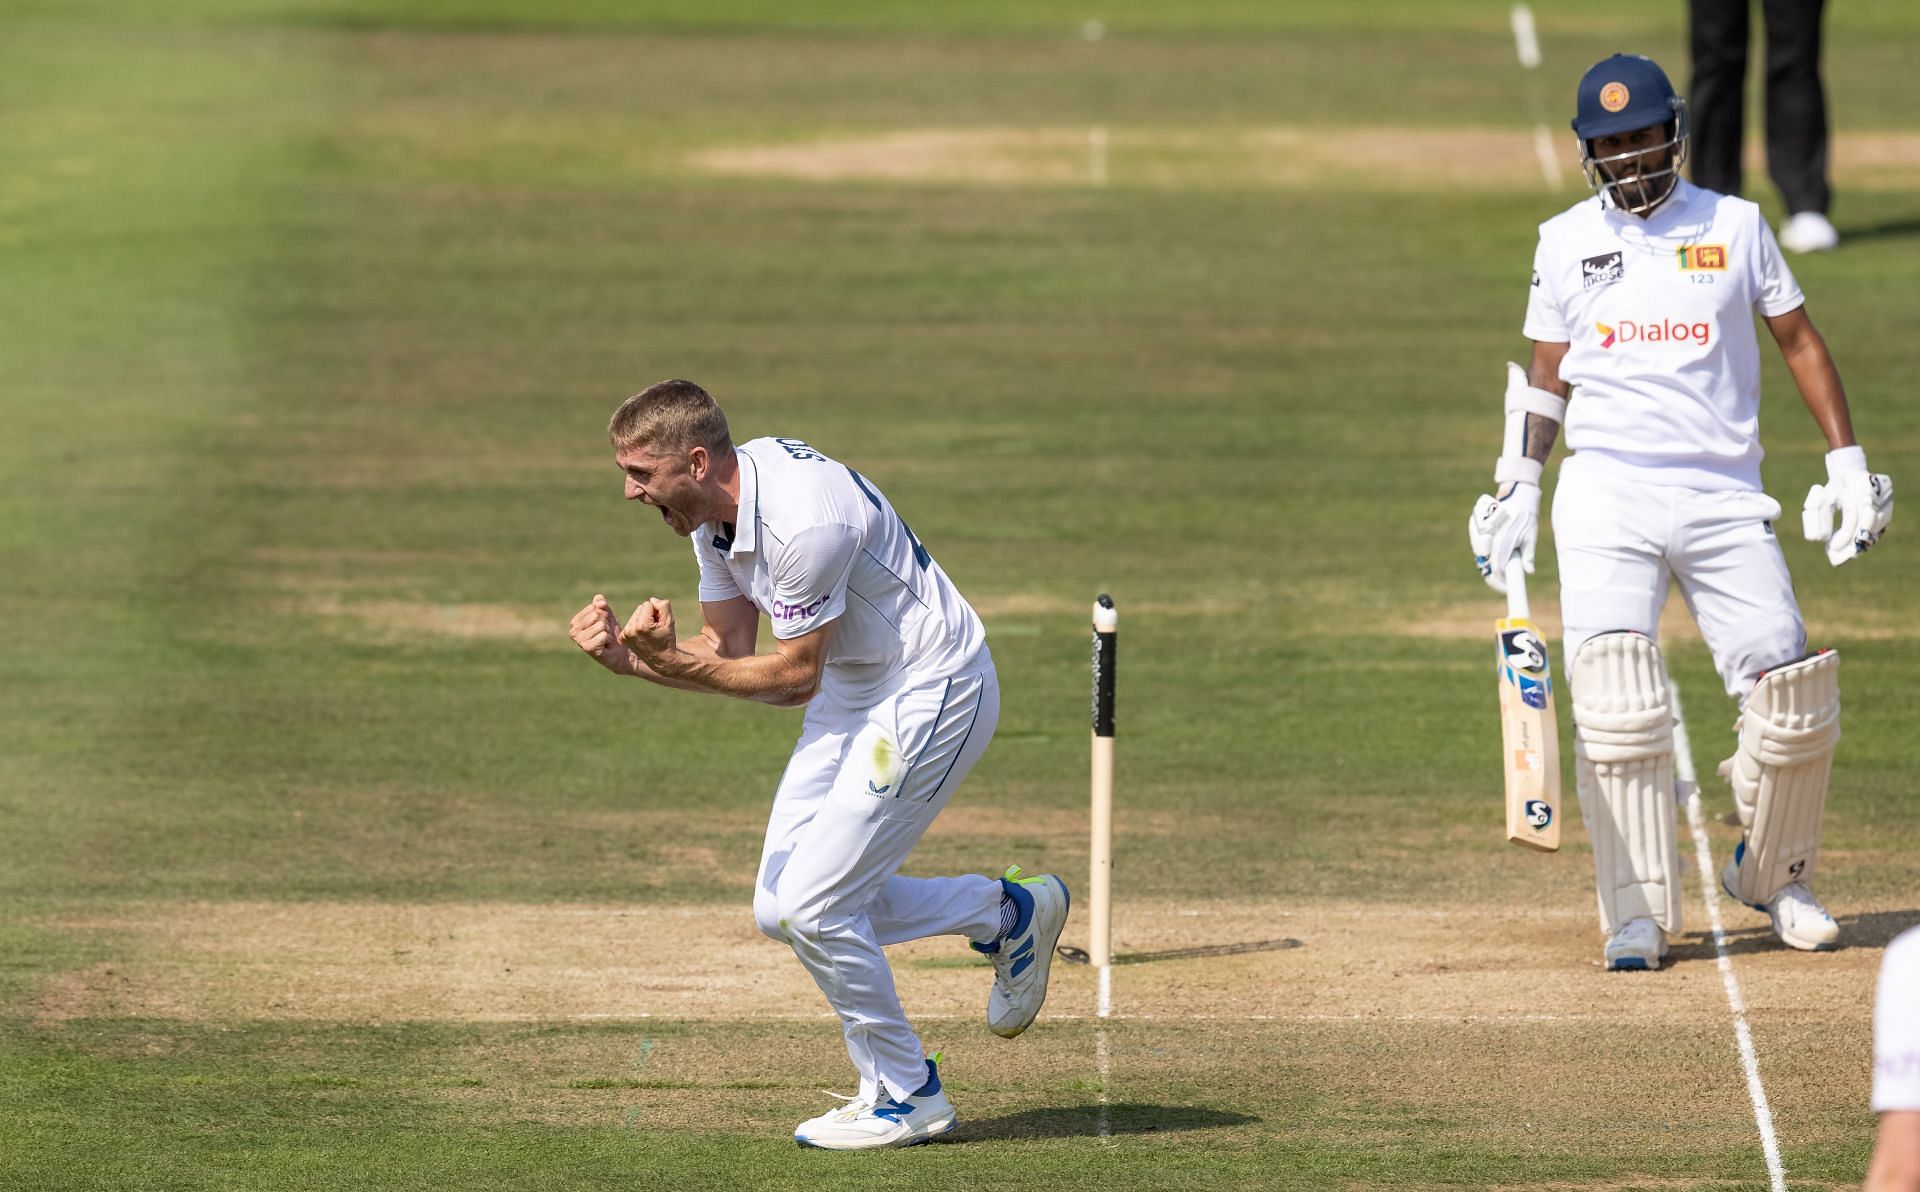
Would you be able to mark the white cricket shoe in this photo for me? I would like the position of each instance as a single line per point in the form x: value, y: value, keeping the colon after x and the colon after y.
x: 1798, y: 918
x: 1638, y: 946
x: 863, y: 1125
x: 1809, y: 231
x: 1023, y: 957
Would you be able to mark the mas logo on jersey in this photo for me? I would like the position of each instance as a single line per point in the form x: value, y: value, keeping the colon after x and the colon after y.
x: 1602, y: 270
x: 1659, y: 331
x: 1696, y: 258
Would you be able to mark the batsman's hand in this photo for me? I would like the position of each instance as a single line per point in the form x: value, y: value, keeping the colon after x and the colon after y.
x: 1864, y: 501
x: 597, y: 631
x: 650, y: 635
x: 1502, y: 527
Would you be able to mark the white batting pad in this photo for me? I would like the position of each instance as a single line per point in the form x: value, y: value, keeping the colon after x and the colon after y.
x: 1779, y: 771
x: 1623, y: 759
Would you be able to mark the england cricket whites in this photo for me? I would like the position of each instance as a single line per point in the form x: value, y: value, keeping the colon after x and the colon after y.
x: 1530, y: 736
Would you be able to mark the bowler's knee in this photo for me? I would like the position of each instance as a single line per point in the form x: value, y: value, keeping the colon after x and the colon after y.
x: 766, y: 915
x: 811, y: 918
x: 789, y: 918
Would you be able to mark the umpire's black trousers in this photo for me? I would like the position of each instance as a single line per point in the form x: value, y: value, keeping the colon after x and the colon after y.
x: 1796, y: 100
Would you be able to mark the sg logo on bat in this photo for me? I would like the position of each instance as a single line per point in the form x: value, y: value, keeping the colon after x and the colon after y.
x: 1524, y: 652
x: 1525, y: 657
x: 1539, y: 814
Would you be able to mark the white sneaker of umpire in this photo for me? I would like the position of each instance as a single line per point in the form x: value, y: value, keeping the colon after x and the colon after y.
x: 862, y: 1125
x: 1798, y: 918
x: 1809, y: 231
x: 1638, y: 946
x: 1023, y: 957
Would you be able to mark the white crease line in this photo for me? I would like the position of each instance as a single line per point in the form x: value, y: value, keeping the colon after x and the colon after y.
x: 1549, y: 161
x: 1102, y: 1053
x: 1709, y: 886
x: 1351, y: 1016
x: 1526, y: 47
x: 1396, y: 913
x: 1526, y: 39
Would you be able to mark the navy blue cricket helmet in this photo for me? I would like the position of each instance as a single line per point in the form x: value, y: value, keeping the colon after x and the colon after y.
x: 1618, y: 95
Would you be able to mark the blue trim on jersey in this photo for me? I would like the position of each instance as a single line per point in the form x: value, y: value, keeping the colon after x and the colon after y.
x: 920, y: 553
x: 852, y: 591
x: 898, y: 578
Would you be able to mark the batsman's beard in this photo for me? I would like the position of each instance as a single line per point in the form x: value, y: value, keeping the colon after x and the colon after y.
x: 1628, y: 182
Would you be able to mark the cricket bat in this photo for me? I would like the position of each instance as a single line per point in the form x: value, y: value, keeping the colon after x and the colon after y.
x: 1530, y: 735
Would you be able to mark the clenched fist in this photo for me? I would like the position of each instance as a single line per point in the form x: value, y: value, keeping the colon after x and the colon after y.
x: 597, y: 631
x: 650, y: 635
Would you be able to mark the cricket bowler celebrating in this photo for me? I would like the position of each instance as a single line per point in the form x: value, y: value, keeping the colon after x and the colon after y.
x: 1642, y: 308
x: 891, y: 664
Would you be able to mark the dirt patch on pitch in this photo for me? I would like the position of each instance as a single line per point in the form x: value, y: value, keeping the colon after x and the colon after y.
x: 1880, y: 159
x: 408, y: 620
x: 486, y: 962
x: 1036, y: 604
x: 964, y: 817
x: 392, y: 621
x: 1183, y: 159
x: 1157, y: 158
x: 1474, y: 620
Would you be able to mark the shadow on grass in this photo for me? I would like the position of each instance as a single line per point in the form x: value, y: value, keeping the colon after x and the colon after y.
x: 1875, y: 929
x: 1083, y: 1121
x: 1897, y: 229
x: 1698, y: 945
x: 1871, y: 930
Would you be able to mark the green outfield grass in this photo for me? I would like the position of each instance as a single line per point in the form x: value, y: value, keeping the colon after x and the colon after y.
x: 310, y: 319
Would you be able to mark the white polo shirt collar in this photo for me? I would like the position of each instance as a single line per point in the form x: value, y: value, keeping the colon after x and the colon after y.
x: 745, y: 528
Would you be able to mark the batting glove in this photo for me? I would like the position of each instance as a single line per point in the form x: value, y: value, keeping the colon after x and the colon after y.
x: 1502, y: 527
x: 1862, y: 499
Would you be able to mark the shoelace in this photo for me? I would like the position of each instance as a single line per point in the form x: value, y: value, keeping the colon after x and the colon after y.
x: 854, y: 1107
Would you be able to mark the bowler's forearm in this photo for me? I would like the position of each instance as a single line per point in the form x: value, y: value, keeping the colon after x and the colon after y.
x: 697, y: 647
x: 763, y: 678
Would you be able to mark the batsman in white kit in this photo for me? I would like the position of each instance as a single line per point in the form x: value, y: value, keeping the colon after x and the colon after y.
x: 1642, y: 309
x: 891, y: 664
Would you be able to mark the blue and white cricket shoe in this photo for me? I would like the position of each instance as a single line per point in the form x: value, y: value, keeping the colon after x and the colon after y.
x: 1798, y: 918
x: 1637, y: 947
x: 1023, y: 957
x: 863, y: 1125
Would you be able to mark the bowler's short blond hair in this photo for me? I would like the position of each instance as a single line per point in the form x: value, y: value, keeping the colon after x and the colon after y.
x: 672, y: 417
